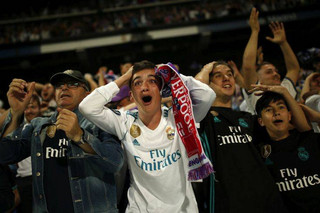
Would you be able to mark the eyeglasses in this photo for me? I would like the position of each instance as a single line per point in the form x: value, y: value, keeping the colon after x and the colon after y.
x: 70, y: 85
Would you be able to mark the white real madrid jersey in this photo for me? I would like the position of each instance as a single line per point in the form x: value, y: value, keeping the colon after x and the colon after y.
x: 157, y: 159
x: 158, y: 167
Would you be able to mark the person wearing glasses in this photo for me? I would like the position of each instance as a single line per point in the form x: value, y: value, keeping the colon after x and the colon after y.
x: 73, y: 161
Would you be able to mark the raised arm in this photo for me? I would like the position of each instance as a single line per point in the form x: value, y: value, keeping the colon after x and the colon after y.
x: 311, y: 114
x: 102, y: 71
x: 259, y: 56
x: 202, y: 96
x: 93, y: 106
x: 250, y: 53
x: 237, y: 75
x: 306, y: 85
x: 124, y: 79
x: 204, y: 74
x: 291, y: 61
x: 38, y: 87
x: 92, y: 83
x: 19, y: 96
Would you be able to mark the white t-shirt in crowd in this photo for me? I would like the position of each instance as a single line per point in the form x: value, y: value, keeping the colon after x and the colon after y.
x: 314, y: 103
x: 157, y: 158
x: 24, y: 168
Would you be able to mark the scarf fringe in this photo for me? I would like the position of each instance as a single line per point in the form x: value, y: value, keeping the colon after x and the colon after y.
x: 201, y: 172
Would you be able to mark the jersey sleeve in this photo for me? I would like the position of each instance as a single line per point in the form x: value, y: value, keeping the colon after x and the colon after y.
x: 201, y: 95
x: 93, y: 108
x: 287, y: 83
x: 313, y: 102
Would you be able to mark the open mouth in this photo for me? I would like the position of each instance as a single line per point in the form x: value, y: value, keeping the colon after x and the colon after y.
x: 277, y: 121
x: 227, y: 86
x: 147, y: 99
x: 64, y: 95
x: 45, y: 94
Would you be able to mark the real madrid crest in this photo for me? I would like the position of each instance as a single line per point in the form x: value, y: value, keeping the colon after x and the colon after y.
x: 303, y: 153
x: 135, y: 131
x: 170, y: 132
x: 51, y: 131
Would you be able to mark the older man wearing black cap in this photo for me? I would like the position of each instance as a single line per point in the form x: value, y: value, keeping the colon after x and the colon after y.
x: 73, y: 161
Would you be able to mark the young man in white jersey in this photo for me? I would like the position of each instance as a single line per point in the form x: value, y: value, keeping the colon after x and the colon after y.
x: 156, y: 156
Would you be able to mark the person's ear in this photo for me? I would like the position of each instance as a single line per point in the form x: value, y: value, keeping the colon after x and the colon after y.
x: 131, y: 96
x: 290, y: 115
x: 260, y: 122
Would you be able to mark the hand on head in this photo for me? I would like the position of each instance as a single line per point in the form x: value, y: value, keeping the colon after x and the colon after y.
x: 263, y: 88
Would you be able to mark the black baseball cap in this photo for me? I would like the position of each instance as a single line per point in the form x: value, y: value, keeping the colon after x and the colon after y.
x: 74, y: 74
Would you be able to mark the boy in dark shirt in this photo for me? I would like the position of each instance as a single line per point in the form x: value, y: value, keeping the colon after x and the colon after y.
x: 292, y: 157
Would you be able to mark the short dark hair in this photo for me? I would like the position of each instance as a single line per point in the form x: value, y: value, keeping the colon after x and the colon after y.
x: 263, y: 63
x: 35, y: 98
x: 138, y: 66
x: 266, y: 99
x: 217, y: 63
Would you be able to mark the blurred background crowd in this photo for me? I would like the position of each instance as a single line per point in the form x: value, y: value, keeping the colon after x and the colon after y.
x: 74, y: 19
x: 39, y: 38
x: 103, y: 38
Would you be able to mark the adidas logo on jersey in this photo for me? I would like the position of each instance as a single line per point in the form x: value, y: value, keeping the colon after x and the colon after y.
x: 135, y: 142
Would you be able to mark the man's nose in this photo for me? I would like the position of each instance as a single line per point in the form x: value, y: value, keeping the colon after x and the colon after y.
x: 226, y: 78
x: 64, y: 86
x: 276, y: 112
x: 145, y: 86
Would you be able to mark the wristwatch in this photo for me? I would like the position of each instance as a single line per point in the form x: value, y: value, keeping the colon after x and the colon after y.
x: 81, y: 141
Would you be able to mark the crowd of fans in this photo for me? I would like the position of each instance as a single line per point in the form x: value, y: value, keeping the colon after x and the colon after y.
x: 302, y: 72
x: 113, y: 16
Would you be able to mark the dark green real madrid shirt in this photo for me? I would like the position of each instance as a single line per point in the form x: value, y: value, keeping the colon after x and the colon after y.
x: 294, y: 163
x: 242, y: 181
